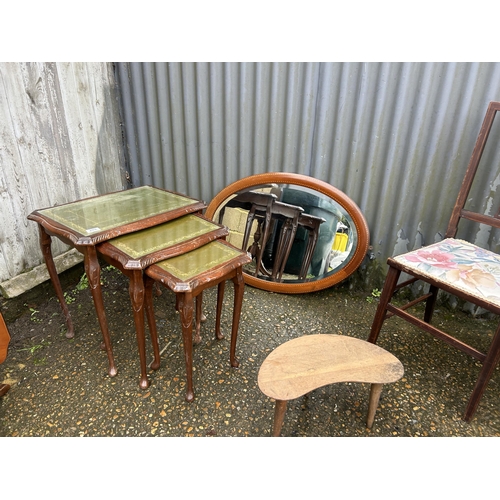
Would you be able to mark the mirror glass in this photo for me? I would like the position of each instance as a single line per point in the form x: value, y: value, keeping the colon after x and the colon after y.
x: 303, y: 234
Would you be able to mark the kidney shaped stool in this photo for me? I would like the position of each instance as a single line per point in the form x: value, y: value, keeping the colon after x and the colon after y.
x: 188, y: 275
x: 306, y: 363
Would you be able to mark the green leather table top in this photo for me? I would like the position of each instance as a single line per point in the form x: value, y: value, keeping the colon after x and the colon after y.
x: 102, y: 213
x: 191, y: 264
x: 166, y: 235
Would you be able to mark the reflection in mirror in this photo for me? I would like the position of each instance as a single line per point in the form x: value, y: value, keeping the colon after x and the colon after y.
x: 295, y: 234
x: 304, y: 234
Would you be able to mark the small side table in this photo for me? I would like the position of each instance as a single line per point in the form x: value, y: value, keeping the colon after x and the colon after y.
x: 306, y: 363
x: 83, y: 224
x: 134, y: 252
x: 187, y: 276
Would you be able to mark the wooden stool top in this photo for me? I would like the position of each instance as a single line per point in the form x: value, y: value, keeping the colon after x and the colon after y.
x: 306, y: 363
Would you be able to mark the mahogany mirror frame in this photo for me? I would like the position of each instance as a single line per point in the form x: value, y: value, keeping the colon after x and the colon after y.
x: 327, y: 190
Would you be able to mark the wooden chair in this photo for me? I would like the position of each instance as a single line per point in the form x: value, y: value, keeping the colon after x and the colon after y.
x: 4, y: 345
x: 455, y: 266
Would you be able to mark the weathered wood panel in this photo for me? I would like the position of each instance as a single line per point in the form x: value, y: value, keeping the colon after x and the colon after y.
x: 60, y: 140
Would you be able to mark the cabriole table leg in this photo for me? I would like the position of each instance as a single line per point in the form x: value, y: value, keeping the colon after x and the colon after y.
x: 136, y: 291
x: 186, y: 314
x: 93, y: 272
x: 239, y: 288
x: 46, y: 246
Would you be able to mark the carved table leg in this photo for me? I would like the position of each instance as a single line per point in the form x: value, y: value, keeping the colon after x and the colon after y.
x: 148, y: 306
x: 239, y: 288
x: 46, y: 246
x: 136, y: 291
x: 279, y: 416
x: 220, y: 298
x: 199, y: 315
x: 186, y: 313
x: 93, y: 271
x: 375, y: 391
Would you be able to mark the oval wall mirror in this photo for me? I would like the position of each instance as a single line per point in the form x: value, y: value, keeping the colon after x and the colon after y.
x: 304, y: 234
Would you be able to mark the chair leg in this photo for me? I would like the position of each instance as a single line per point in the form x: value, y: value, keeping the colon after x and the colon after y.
x: 430, y: 304
x: 489, y: 365
x: 387, y: 292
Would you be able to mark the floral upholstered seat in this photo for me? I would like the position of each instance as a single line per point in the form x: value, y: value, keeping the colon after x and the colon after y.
x: 459, y: 264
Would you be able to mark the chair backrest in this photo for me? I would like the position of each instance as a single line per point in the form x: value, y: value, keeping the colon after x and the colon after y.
x: 459, y: 211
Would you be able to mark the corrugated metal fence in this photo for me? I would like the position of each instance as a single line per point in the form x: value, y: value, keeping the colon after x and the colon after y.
x: 395, y: 137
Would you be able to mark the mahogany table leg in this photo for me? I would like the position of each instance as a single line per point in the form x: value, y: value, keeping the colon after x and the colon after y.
x: 220, y: 298
x: 375, y: 391
x: 136, y: 291
x: 239, y: 288
x: 199, y: 302
x: 148, y: 306
x: 93, y: 271
x: 186, y: 313
x: 279, y: 415
x: 46, y: 246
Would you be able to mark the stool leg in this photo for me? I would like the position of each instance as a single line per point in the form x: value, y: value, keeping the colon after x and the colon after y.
x: 148, y: 305
x: 220, y: 298
x: 279, y: 416
x: 239, y: 288
x: 186, y: 313
x: 375, y: 391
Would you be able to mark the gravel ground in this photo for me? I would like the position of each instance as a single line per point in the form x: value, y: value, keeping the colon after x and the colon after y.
x: 60, y: 387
